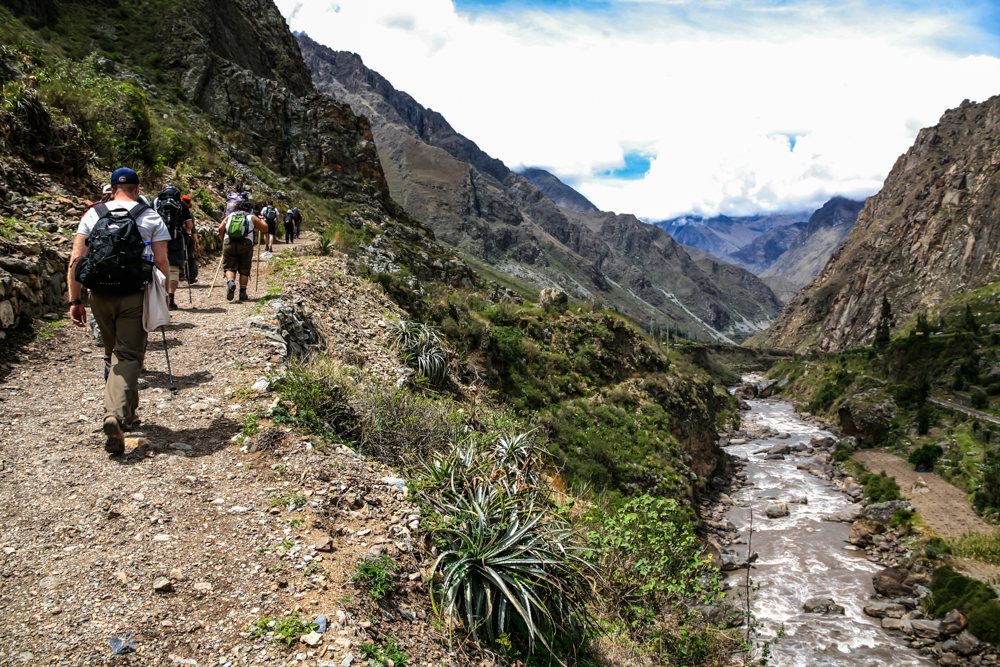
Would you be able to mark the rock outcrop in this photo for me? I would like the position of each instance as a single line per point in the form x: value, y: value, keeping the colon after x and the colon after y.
x: 929, y: 234
x: 560, y: 193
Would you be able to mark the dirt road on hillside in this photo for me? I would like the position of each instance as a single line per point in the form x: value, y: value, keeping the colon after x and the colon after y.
x: 185, y: 541
x: 944, y: 507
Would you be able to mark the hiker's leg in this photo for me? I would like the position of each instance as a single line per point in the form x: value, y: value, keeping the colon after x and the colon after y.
x: 121, y: 393
x: 103, y: 310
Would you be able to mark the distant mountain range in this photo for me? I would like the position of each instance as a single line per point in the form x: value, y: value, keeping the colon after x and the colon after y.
x: 784, y: 250
x: 534, y: 229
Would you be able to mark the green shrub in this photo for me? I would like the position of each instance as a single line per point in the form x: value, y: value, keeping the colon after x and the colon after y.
x: 902, y: 520
x: 979, y: 399
x: 880, y: 488
x: 936, y: 547
x: 286, y: 630
x: 975, y: 599
x: 320, y: 402
x: 377, y: 575
x: 843, y: 452
x: 925, y: 456
x: 924, y: 417
x: 509, y: 343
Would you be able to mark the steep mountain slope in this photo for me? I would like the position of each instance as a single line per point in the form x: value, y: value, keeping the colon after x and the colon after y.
x: 758, y: 255
x: 475, y: 203
x: 722, y: 235
x: 929, y: 234
x: 783, y: 288
x: 827, y: 230
x: 560, y: 193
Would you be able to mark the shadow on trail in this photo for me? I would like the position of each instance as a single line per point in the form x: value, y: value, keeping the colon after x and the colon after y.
x: 204, y: 441
x: 160, y: 379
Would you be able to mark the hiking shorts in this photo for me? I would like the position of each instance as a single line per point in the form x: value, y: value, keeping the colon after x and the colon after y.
x: 272, y: 226
x: 238, y: 256
x: 175, y: 273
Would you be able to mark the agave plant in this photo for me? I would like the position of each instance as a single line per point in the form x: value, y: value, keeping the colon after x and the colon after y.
x: 503, y: 555
x: 423, y: 345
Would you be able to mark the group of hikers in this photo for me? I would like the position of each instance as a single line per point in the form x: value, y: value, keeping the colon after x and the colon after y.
x: 119, y: 242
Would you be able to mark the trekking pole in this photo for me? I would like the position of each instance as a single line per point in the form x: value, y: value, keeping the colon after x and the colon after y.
x: 215, y: 278
x: 257, y: 283
x: 170, y: 376
x: 187, y: 271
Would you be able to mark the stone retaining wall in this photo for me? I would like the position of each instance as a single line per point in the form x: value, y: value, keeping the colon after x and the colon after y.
x: 32, y: 282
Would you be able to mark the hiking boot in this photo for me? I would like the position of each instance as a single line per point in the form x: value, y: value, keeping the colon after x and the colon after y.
x: 116, y: 438
x: 231, y: 290
x: 171, y: 304
x: 243, y: 294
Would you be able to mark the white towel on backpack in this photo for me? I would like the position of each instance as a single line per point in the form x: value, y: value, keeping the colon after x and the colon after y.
x: 155, y: 312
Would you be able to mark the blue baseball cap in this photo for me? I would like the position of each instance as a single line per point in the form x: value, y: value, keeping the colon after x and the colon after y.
x: 124, y: 175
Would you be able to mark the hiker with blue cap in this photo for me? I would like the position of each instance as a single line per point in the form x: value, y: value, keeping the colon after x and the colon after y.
x: 116, y: 245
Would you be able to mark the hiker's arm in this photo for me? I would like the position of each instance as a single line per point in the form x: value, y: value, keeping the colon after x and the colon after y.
x: 197, y: 243
x: 160, y: 257
x: 76, y: 313
x: 259, y: 224
x: 222, y: 229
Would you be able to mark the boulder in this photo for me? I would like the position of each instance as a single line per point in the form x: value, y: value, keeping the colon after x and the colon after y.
x: 885, y: 610
x: 776, y: 509
x: 774, y: 457
x: 822, y: 605
x: 778, y: 449
x: 864, y: 418
x: 966, y: 644
x: 926, y: 629
x: 823, y: 442
x: 898, y: 582
x: 863, y: 531
x: 783, y: 436
x: 897, y: 624
x: 882, y: 512
x: 953, y: 623
x: 551, y: 296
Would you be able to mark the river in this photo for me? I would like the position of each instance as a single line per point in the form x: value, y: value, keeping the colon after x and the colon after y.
x: 802, y: 556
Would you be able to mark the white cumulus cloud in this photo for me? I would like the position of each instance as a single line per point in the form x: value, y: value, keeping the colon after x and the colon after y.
x: 717, y: 91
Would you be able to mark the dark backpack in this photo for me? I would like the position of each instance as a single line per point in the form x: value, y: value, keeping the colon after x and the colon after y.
x: 114, y: 263
x: 289, y: 218
x: 270, y: 213
x: 169, y: 206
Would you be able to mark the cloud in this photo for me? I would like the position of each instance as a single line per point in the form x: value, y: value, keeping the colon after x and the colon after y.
x: 738, y: 107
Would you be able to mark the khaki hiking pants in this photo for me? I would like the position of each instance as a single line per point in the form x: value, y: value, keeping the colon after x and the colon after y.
x: 120, y: 321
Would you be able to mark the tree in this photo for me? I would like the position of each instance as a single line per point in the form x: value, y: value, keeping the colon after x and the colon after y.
x: 970, y: 320
x: 922, y: 325
x: 924, y: 457
x: 882, y: 331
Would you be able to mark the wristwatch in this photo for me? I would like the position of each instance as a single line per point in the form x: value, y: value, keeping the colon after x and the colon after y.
x: 76, y: 302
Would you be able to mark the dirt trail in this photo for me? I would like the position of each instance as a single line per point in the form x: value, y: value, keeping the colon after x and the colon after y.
x: 83, y: 536
x: 951, y: 405
x: 944, y: 507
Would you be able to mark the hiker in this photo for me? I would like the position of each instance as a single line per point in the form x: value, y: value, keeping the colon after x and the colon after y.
x: 177, y: 217
x: 237, y: 231
x: 289, y: 226
x: 112, y: 250
x: 270, y: 215
x: 298, y: 221
x: 192, y: 242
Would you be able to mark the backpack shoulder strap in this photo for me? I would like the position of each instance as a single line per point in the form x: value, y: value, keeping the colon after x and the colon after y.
x: 136, y: 211
x: 101, y: 210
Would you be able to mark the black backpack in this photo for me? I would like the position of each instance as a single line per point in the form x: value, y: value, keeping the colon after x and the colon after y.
x: 270, y: 213
x: 289, y: 218
x: 171, y: 209
x: 114, y: 263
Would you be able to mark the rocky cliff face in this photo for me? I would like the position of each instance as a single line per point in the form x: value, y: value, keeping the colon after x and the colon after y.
x: 475, y: 203
x: 722, y: 235
x: 558, y: 192
x: 930, y: 233
x: 809, y: 252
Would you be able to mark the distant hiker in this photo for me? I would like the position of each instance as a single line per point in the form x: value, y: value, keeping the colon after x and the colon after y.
x: 115, y: 247
x: 237, y: 230
x: 298, y: 221
x: 192, y: 242
x: 270, y: 215
x: 177, y: 217
x: 289, y: 223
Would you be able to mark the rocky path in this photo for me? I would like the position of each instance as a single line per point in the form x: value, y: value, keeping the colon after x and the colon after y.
x: 942, y: 506
x: 961, y: 408
x: 182, y: 543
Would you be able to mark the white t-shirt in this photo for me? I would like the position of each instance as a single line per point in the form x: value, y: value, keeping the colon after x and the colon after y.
x: 150, y: 223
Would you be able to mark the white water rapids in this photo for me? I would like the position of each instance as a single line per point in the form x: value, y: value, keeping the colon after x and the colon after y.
x: 802, y: 556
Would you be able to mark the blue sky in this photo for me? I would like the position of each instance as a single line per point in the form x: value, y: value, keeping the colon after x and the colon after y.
x: 669, y: 107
